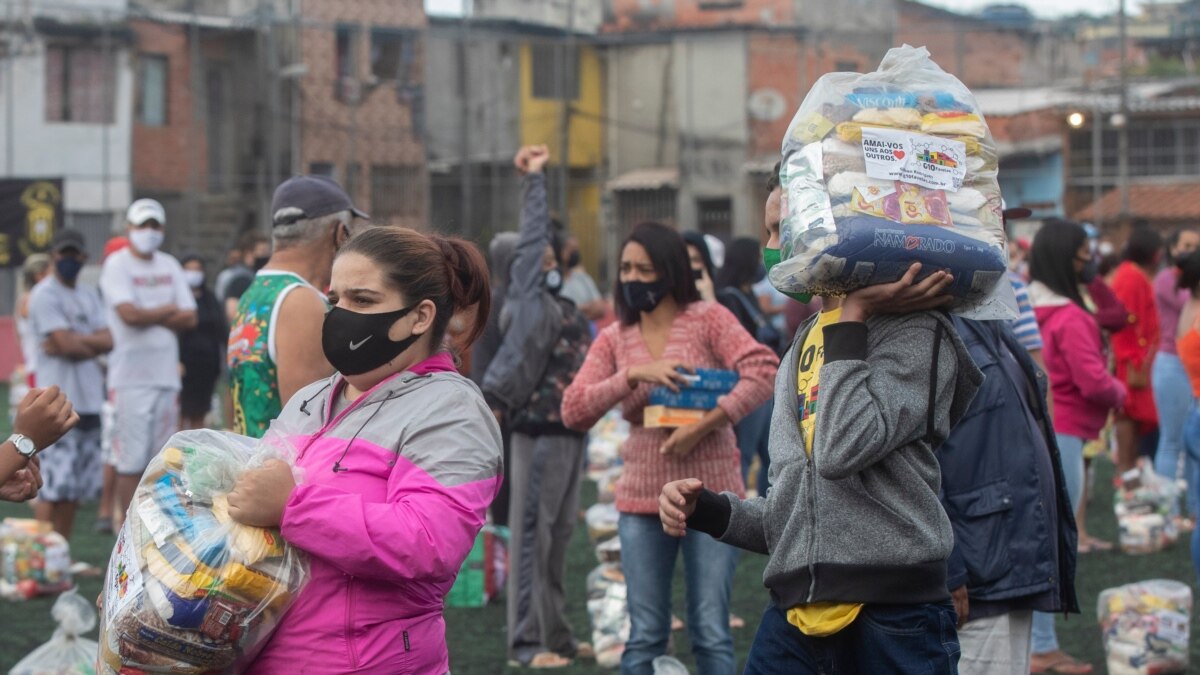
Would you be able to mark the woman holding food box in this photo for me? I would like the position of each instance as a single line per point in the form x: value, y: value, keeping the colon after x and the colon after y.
x: 665, y: 334
x: 400, y: 458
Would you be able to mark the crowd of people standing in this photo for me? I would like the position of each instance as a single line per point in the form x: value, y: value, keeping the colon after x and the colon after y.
x: 920, y: 493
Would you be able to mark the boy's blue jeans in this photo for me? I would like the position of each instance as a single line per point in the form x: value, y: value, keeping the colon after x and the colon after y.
x: 883, y: 639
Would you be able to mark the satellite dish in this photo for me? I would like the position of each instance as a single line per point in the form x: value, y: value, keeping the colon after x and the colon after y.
x: 767, y: 105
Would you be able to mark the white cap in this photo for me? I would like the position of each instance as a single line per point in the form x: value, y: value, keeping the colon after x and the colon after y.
x: 146, y: 209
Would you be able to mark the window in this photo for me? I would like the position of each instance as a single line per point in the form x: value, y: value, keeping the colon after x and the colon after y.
x: 552, y: 69
x: 715, y: 217
x: 80, y: 83
x: 346, y: 85
x: 396, y: 191
x: 846, y: 66
x: 152, y: 90
x: 321, y: 169
x: 1157, y: 147
x: 393, y: 55
x: 720, y: 4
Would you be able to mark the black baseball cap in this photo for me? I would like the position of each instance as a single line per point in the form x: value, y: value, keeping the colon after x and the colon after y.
x: 68, y: 239
x: 306, y: 197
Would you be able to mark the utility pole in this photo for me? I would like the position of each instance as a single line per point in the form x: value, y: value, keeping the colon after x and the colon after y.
x: 9, y: 89
x: 464, y: 127
x: 110, y: 67
x: 568, y: 68
x: 273, y: 110
x: 1123, y: 128
x: 198, y: 103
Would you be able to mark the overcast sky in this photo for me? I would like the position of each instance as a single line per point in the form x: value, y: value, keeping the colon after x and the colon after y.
x: 1041, y: 8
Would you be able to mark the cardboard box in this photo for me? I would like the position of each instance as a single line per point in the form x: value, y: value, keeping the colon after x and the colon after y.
x: 662, y: 417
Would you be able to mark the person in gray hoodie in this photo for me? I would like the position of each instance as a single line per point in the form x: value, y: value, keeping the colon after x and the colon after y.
x: 543, y: 345
x: 857, y: 539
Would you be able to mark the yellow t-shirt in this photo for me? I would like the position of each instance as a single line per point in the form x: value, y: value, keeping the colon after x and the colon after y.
x: 817, y: 619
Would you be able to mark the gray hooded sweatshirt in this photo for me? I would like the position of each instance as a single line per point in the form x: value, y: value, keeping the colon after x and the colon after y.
x: 859, y: 520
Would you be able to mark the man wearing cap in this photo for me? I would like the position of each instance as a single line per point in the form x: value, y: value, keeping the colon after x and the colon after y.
x: 275, y: 342
x: 68, y: 320
x: 148, y: 301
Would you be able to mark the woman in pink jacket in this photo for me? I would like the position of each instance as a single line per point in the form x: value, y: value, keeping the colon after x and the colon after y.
x: 1083, y: 390
x: 400, y: 459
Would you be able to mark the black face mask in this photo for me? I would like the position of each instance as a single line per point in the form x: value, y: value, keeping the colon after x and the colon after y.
x: 644, y: 296
x: 356, y: 343
x: 573, y: 260
x: 553, y: 280
x: 261, y: 262
x: 1091, y: 269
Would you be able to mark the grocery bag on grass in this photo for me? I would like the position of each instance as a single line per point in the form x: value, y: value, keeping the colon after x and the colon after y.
x: 1146, y: 627
x: 889, y: 168
x: 67, y: 653
x: 34, y: 558
x: 187, y: 589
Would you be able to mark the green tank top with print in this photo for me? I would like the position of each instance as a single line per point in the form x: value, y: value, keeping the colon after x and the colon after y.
x: 253, y: 376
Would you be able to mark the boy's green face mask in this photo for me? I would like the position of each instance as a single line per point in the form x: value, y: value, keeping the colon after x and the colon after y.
x: 771, y: 258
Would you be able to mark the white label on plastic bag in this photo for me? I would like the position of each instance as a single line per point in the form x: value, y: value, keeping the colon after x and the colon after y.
x: 123, y: 582
x: 928, y: 161
x: 160, y: 527
x: 1173, y: 627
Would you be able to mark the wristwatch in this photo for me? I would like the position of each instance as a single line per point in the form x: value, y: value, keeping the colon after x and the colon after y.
x: 23, y: 445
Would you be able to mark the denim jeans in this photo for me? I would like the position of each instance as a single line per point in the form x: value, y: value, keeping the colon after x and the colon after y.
x: 1173, y: 397
x: 1070, y: 451
x: 752, y: 433
x: 1191, y: 443
x: 896, y: 639
x: 648, y: 557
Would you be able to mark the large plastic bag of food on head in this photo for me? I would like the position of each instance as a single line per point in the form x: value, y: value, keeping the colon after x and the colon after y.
x: 35, y: 559
x: 1146, y: 626
x: 889, y: 168
x: 66, y: 653
x: 187, y: 589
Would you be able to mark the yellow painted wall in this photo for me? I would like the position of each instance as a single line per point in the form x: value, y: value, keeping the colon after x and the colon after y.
x: 540, y: 118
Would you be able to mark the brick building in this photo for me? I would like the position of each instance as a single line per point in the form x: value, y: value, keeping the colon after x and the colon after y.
x: 362, y: 101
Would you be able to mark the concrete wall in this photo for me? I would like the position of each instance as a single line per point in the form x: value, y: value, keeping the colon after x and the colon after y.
x: 710, y: 75
x: 1034, y: 181
x: 94, y: 159
x: 641, y: 92
x: 494, y: 85
x: 554, y: 13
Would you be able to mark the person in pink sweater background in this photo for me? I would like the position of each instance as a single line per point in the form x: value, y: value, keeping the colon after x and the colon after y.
x: 665, y: 327
x: 1083, y: 390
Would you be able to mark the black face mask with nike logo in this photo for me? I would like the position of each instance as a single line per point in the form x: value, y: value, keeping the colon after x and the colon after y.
x: 358, y: 343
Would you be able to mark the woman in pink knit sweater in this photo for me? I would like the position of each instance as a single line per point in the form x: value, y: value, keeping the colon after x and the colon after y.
x: 664, y: 327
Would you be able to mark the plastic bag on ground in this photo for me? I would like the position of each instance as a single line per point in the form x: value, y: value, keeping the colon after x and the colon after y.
x: 67, y: 653
x: 609, y: 610
x: 35, y: 560
x: 1144, y: 504
x: 187, y: 589
x: 888, y: 168
x: 1146, y: 627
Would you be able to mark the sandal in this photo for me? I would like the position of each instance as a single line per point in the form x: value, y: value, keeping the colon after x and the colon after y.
x: 584, y: 650
x: 1060, y: 662
x: 543, y: 661
x: 1092, y: 544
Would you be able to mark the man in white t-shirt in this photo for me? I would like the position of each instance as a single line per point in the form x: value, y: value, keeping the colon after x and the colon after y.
x: 68, y: 323
x: 148, y: 302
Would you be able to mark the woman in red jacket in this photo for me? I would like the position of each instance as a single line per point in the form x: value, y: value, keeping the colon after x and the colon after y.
x: 1135, y: 345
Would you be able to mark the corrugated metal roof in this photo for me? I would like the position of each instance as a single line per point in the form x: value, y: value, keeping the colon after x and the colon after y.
x: 1152, y: 202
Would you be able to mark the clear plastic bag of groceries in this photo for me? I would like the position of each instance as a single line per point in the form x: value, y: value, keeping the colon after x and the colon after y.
x: 67, y: 653
x: 888, y: 168
x: 187, y: 589
x: 1146, y: 627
